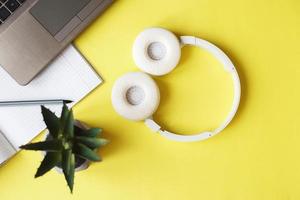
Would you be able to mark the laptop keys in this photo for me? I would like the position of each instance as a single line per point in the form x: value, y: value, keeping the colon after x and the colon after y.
x: 4, y: 13
x: 12, y: 5
x: 8, y: 7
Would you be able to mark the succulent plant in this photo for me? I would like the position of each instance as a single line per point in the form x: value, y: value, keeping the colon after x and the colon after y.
x: 66, y: 143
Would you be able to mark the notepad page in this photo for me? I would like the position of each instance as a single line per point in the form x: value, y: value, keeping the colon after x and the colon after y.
x: 68, y: 77
x: 6, y: 149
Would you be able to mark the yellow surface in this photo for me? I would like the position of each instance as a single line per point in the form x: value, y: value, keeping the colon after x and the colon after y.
x: 256, y: 157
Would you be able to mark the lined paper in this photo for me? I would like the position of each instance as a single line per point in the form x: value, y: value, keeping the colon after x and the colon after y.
x: 68, y: 77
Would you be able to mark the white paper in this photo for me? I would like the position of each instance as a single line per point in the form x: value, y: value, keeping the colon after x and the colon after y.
x: 68, y: 77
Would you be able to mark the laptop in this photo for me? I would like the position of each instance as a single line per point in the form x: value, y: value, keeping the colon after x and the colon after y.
x: 34, y: 32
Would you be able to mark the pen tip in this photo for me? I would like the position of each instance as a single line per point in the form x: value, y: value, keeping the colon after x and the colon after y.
x: 68, y: 101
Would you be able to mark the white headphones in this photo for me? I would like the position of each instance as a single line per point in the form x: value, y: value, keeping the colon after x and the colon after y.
x: 157, y: 51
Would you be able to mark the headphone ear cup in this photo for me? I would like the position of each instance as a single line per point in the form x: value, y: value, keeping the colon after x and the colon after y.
x: 135, y: 96
x: 156, y: 51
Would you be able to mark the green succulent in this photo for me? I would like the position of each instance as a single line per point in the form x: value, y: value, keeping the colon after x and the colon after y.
x: 66, y: 142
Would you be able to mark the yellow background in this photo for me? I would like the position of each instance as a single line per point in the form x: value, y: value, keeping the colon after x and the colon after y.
x: 256, y: 157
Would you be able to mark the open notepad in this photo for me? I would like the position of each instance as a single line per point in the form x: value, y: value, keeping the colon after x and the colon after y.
x: 68, y: 77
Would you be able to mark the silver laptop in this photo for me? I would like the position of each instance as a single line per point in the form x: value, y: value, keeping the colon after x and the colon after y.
x: 34, y: 32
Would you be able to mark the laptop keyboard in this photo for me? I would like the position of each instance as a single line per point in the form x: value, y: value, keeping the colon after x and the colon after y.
x: 8, y: 7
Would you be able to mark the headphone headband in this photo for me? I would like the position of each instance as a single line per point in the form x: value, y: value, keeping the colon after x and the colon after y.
x: 228, y: 66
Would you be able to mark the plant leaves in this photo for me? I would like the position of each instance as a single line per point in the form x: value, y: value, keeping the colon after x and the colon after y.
x: 92, y: 142
x: 52, y: 121
x: 69, y: 126
x: 93, y: 132
x: 70, y: 177
x: 84, y: 152
x: 64, y: 115
x: 68, y: 166
x: 66, y: 160
x: 51, y: 145
x: 50, y: 160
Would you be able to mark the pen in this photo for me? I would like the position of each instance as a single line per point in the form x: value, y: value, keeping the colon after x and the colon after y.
x: 34, y: 102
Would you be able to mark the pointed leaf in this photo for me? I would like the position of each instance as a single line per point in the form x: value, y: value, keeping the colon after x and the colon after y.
x: 84, y: 152
x: 92, y: 142
x: 52, y: 121
x: 93, y: 132
x: 66, y: 160
x: 68, y: 165
x: 69, y: 125
x: 51, y: 145
x: 50, y: 160
x: 70, y: 176
x: 64, y: 115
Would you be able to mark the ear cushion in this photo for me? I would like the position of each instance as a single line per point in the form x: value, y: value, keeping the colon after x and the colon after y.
x: 156, y: 51
x: 135, y: 96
